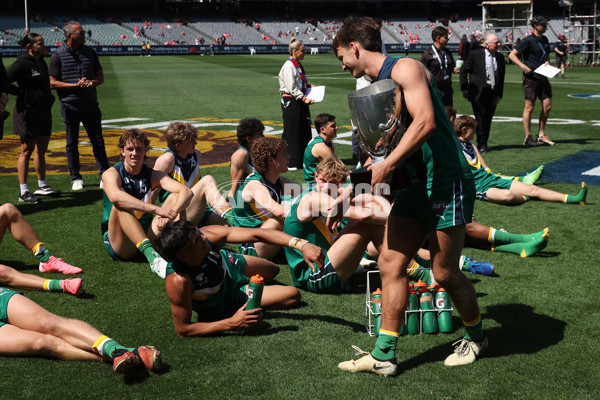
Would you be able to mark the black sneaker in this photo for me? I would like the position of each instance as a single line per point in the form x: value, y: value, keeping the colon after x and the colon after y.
x: 27, y: 197
x: 47, y: 191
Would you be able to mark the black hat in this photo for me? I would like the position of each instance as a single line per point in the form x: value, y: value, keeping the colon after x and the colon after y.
x: 539, y: 20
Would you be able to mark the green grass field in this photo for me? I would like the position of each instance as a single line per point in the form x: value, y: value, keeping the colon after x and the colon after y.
x: 540, y: 313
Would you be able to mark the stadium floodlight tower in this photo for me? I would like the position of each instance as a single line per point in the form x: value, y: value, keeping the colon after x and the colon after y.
x: 509, y: 19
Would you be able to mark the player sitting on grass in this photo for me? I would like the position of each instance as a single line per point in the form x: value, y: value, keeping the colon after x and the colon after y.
x: 128, y: 211
x: 257, y: 202
x: 203, y: 278
x: 529, y: 178
x: 181, y: 162
x: 27, y: 329
x: 307, y: 217
x: 320, y: 147
x: 492, y: 188
x: 12, y: 220
x: 241, y: 162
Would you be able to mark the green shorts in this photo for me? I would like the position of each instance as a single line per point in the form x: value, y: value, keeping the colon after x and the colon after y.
x: 326, y: 281
x: 232, y: 294
x: 247, y: 249
x: 444, y: 206
x: 490, y: 181
x: 5, y: 296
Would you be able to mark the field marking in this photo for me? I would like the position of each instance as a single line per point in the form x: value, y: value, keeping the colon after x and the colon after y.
x: 592, y: 172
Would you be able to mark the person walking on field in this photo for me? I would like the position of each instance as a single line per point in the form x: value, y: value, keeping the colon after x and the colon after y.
x: 482, y: 83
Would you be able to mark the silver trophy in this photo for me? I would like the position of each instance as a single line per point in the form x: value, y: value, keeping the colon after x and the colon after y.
x: 377, y: 124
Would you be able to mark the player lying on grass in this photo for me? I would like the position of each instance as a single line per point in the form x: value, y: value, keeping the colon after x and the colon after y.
x: 127, y: 220
x: 241, y: 163
x: 320, y: 147
x: 499, y: 190
x: 27, y: 329
x: 257, y: 202
x: 12, y: 220
x: 181, y: 162
x: 366, y: 216
x: 202, y: 277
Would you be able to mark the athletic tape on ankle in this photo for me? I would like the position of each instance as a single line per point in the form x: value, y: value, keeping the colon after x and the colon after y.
x: 140, y: 243
x: 413, y: 268
x: 47, y: 285
x: 389, y: 333
x: 35, y: 248
x: 98, y: 343
x: 471, y: 323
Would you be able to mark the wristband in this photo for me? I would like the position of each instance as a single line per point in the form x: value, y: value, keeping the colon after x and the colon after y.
x: 297, y: 243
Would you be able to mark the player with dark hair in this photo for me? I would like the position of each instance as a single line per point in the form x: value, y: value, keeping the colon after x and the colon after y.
x: 241, y: 162
x: 321, y: 146
x: 202, y: 277
x: 436, y: 203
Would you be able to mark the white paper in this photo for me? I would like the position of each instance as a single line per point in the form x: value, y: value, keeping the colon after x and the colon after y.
x: 547, y: 70
x: 316, y: 93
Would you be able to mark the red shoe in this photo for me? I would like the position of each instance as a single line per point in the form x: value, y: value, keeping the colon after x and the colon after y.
x: 126, y: 363
x: 151, y: 357
x: 58, y: 265
x: 72, y: 286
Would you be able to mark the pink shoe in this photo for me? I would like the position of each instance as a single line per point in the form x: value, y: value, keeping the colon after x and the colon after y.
x: 72, y: 286
x: 58, y: 265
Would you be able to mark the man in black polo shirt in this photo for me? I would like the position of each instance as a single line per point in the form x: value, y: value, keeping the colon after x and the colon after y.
x: 75, y: 71
x: 536, y: 51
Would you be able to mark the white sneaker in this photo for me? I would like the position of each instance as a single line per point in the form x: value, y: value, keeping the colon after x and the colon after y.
x: 77, y: 184
x: 369, y: 364
x: 159, y: 267
x: 465, y: 352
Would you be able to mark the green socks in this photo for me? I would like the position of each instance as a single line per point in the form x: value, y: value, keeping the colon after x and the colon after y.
x: 106, y: 346
x: 474, y: 330
x: 579, y: 197
x: 146, y: 248
x: 41, y: 252
x: 52, y: 285
x: 524, y: 249
x: 499, y: 237
x: 417, y: 272
x: 385, y: 347
x: 532, y: 177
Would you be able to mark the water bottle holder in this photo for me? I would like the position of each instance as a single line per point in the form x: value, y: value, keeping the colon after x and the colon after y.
x: 370, y: 315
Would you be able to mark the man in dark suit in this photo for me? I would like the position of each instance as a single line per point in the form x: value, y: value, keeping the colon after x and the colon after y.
x: 482, y: 83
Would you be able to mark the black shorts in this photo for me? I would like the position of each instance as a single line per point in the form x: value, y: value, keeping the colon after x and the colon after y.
x: 536, y: 89
x: 31, y: 124
x: 560, y: 60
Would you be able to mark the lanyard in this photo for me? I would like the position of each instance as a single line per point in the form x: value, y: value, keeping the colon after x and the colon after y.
x: 543, y: 51
x: 445, y: 64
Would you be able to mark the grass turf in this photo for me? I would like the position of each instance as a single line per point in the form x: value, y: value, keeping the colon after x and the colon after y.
x: 540, y: 313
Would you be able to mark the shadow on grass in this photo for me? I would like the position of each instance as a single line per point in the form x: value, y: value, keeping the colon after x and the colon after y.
x: 65, y: 200
x: 300, y: 317
x: 580, y: 141
x: 521, y: 331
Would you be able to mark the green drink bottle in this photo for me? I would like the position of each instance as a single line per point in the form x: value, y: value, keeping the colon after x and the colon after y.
x: 255, y: 290
x: 376, y: 308
x: 428, y: 313
x: 412, y: 321
x: 442, y: 302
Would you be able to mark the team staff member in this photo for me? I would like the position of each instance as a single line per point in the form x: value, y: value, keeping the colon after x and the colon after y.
x: 32, y: 118
x: 75, y: 72
x: 440, y: 62
x: 294, y: 104
x: 536, y: 51
x: 561, y: 54
x: 482, y: 83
